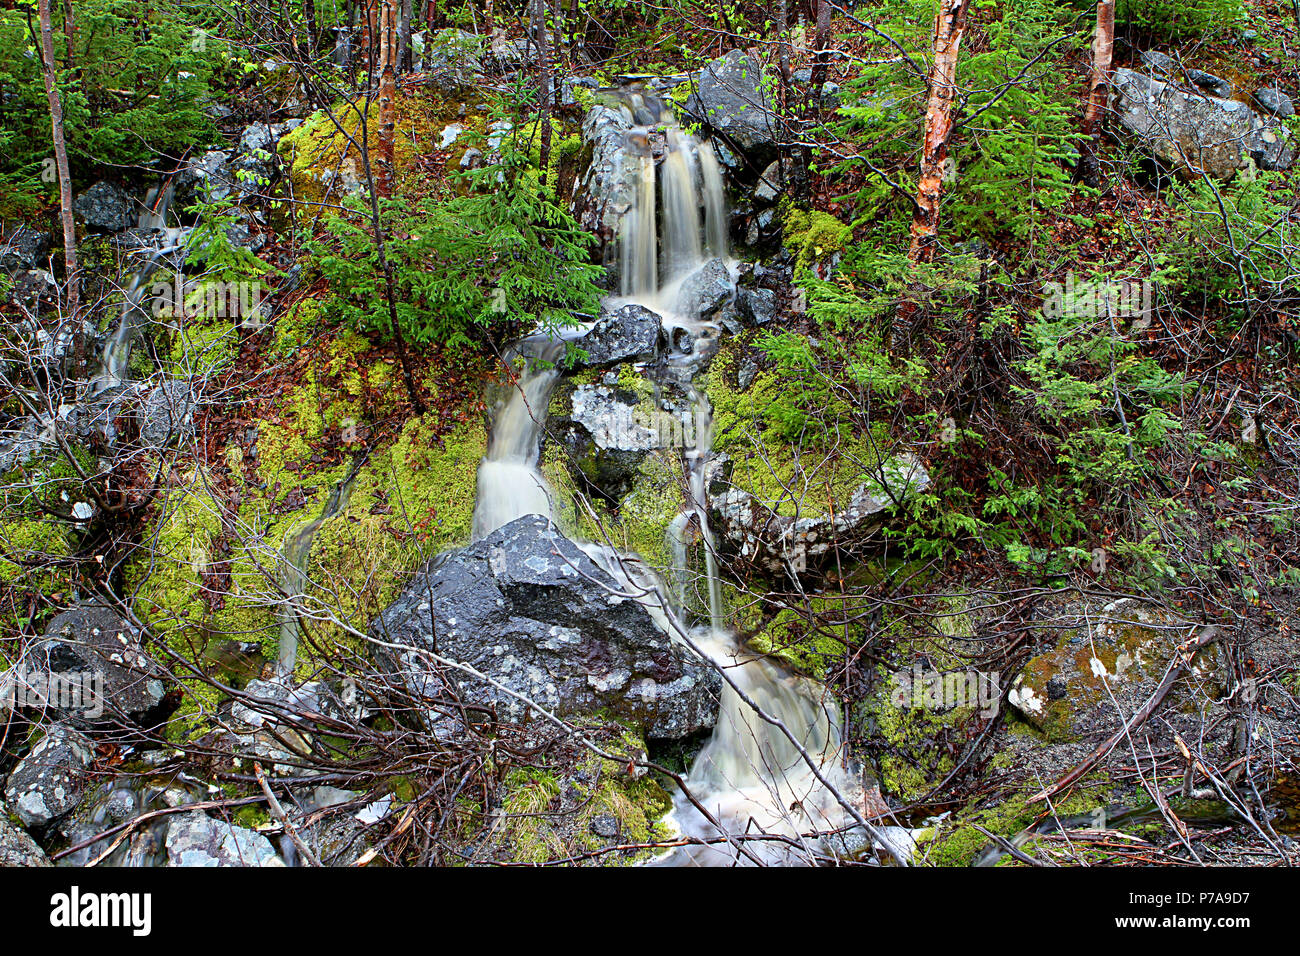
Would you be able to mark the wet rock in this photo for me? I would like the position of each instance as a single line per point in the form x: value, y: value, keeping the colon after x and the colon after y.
x: 611, y: 429
x: 605, y: 825
x: 778, y: 542
x: 1274, y: 102
x: 204, y: 175
x: 1180, y: 128
x: 48, y: 782
x: 97, y: 649
x: 17, y: 848
x: 106, y: 207
x: 612, y: 179
x: 195, y: 839
x: 757, y: 306
x: 731, y: 99
x: 168, y: 414
x: 532, y: 611
x: 706, y: 290
x: 631, y: 333
x: 24, y: 248
x: 772, y: 182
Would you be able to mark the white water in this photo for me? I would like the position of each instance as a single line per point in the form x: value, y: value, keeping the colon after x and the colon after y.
x: 752, y: 777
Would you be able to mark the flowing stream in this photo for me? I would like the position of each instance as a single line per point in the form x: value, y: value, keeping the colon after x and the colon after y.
x: 753, y: 777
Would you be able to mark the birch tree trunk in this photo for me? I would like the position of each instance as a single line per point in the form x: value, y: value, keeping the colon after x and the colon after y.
x: 1103, y: 53
x: 71, y: 272
x: 388, y: 52
x: 949, y: 24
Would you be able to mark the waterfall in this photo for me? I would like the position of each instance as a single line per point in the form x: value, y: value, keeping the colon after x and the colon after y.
x: 509, y: 482
x: 752, y: 776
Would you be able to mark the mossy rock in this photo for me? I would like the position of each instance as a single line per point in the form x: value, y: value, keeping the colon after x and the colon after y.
x: 577, y: 806
x: 1073, y: 690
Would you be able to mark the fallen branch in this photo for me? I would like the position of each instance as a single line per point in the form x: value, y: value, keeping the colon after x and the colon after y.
x: 1182, y: 659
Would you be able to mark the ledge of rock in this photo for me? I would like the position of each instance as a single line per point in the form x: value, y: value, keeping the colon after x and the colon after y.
x: 778, y: 542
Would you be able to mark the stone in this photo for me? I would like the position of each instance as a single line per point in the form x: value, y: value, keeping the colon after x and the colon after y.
x: 630, y: 333
x: 195, y: 839
x: 706, y: 290
x: 48, y: 782
x: 17, y: 848
x: 605, y: 825
x: 1192, y: 131
x: 454, y: 59
x: 168, y: 414
x: 106, y: 207
x: 731, y: 99
x: 610, y: 185
x: 611, y: 429
x: 24, y: 248
x: 529, y: 609
x: 1214, y: 85
x: 757, y: 306
x: 1107, y: 662
x: 771, y: 182
x: 91, y: 639
x: 1274, y: 102
x: 779, y: 542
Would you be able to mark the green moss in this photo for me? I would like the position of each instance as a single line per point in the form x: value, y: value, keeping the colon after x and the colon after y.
x: 549, y: 811
x: 410, y: 501
x: 788, y: 636
x: 793, y: 463
x: 812, y: 234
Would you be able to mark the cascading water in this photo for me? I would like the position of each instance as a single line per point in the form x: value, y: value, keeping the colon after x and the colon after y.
x: 781, y: 776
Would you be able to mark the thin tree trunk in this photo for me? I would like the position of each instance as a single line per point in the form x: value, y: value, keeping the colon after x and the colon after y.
x: 388, y: 16
x: 404, y: 64
x: 949, y: 24
x: 309, y: 11
x: 71, y: 274
x: 821, y: 56
x: 1103, y: 51
x: 783, y: 47
x: 70, y: 33
x: 544, y: 64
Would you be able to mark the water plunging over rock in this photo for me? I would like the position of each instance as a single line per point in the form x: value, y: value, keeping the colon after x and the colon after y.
x: 535, y: 613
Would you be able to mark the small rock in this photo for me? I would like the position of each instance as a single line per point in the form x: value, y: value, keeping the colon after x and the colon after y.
x: 195, y: 839
x: 48, y: 782
x: 605, y: 825
x: 1274, y: 102
x: 17, y: 848
x: 1214, y: 85
x: 630, y: 334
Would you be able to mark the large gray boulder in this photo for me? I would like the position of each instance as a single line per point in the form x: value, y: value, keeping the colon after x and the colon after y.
x: 1192, y: 132
x: 49, y: 781
x: 195, y: 839
x: 706, y: 290
x: 106, y: 207
x: 732, y: 99
x: 611, y: 429
x: 609, y: 188
x: 533, y: 612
